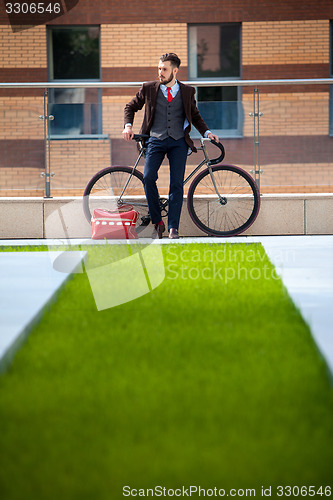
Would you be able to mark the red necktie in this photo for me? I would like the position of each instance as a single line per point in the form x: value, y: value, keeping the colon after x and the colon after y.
x: 169, y: 94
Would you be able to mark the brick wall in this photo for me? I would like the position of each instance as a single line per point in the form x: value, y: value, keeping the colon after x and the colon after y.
x: 25, y: 49
x: 190, y: 11
x: 22, y: 160
x: 72, y: 162
x: 19, y: 118
x: 285, y: 42
x: 144, y: 44
x: 18, y: 181
x: 279, y: 40
x: 75, y: 162
x: 290, y: 114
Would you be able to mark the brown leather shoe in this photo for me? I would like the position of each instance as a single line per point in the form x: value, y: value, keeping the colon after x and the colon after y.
x: 159, y: 228
x: 173, y: 234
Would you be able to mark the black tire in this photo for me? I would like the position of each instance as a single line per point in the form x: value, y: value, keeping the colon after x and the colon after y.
x: 233, y: 211
x: 104, y: 188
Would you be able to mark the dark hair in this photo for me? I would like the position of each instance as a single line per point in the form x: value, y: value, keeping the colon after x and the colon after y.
x: 173, y: 58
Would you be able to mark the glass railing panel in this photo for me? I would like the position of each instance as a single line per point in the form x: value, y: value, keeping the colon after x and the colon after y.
x: 296, y: 150
x: 85, y: 138
x: 22, y: 158
x: 224, y: 117
x: 295, y: 145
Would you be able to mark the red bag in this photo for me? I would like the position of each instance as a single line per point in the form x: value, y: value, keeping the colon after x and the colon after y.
x: 114, y: 224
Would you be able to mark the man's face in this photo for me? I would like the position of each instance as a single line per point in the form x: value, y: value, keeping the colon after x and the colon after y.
x: 166, y: 72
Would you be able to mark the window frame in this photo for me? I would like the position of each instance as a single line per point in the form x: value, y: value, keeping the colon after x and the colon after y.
x: 236, y: 133
x: 50, y: 63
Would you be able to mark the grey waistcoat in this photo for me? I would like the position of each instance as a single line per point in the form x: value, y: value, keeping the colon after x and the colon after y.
x: 169, y: 117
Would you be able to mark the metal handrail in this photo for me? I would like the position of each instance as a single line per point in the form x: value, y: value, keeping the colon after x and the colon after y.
x: 194, y: 83
x: 114, y: 85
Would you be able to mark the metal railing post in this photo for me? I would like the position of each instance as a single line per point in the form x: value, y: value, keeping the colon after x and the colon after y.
x: 256, y: 136
x: 47, y: 174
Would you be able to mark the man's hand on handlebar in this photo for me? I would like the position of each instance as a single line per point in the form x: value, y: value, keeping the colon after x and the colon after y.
x: 128, y: 133
x: 213, y: 137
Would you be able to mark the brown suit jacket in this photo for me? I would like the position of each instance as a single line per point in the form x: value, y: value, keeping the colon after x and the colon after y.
x: 147, y: 96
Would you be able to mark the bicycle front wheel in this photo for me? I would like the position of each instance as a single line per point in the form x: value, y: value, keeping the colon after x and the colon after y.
x: 113, y: 187
x: 224, y: 203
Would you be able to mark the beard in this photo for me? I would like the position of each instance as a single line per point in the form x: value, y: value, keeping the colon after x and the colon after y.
x: 165, y: 81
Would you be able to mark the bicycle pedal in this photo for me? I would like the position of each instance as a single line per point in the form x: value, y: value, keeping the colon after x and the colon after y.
x: 145, y: 220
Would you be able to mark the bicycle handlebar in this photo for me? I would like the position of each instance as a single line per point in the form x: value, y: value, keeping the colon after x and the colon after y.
x: 214, y: 161
x: 140, y: 137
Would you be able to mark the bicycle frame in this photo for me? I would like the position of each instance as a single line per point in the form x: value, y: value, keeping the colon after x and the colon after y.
x: 234, y: 184
x: 205, y: 161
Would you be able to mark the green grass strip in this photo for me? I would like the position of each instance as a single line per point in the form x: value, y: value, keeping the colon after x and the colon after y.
x: 212, y: 379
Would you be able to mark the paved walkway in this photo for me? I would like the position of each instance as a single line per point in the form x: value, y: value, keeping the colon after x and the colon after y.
x: 305, y: 264
x: 29, y: 280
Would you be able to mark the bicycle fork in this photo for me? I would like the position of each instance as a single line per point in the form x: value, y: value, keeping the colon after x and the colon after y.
x: 222, y: 199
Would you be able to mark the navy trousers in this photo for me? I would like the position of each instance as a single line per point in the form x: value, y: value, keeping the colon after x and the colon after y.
x: 176, y: 152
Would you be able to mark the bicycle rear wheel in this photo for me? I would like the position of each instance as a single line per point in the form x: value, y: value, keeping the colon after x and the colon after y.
x: 230, y: 211
x: 105, y: 188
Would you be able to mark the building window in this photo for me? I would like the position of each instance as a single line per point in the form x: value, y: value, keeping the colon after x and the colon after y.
x: 214, y: 53
x: 74, y: 54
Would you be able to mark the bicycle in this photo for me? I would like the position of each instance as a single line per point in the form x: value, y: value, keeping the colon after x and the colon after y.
x: 222, y: 200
